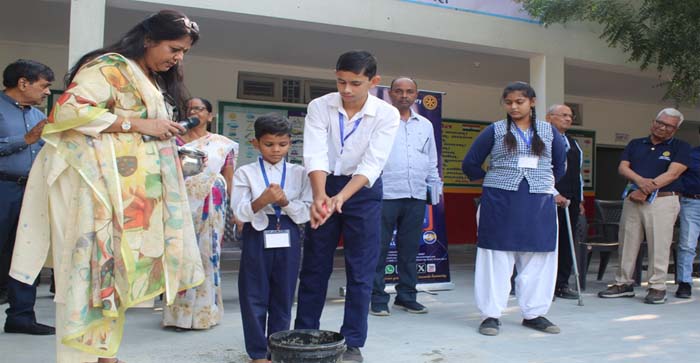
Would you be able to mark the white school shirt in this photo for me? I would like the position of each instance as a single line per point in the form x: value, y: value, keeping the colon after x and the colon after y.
x: 249, y: 184
x: 365, y: 151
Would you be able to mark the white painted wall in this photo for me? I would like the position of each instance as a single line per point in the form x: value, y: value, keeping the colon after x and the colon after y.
x: 54, y: 56
x: 216, y: 80
x: 399, y: 19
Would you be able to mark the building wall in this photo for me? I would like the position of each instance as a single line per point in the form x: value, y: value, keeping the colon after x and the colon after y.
x: 54, y: 56
x: 393, y: 19
x: 216, y: 79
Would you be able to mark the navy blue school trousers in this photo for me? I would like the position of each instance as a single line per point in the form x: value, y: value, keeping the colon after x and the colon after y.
x: 360, y: 227
x: 266, y: 282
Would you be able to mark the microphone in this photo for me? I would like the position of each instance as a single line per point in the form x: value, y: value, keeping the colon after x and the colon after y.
x: 188, y: 124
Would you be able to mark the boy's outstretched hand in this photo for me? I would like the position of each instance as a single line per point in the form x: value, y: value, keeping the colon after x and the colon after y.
x: 323, y: 206
x: 321, y: 210
x: 337, y: 203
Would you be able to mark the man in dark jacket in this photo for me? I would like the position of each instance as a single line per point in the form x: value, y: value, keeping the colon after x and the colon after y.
x: 570, y: 189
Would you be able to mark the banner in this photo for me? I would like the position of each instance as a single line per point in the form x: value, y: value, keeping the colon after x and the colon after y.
x: 457, y: 139
x: 432, y: 262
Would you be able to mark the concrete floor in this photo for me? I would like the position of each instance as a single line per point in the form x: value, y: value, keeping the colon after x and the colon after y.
x: 618, y: 330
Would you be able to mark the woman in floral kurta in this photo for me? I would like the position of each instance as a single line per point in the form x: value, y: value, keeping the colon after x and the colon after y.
x: 202, y: 307
x: 113, y: 207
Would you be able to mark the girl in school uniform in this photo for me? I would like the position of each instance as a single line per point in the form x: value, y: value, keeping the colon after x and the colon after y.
x: 517, y: 214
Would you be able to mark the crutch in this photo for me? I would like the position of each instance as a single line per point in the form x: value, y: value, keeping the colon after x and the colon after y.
x: 573, y: 253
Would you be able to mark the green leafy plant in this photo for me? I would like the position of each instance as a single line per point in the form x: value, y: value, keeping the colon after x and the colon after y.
x: 664, y: 34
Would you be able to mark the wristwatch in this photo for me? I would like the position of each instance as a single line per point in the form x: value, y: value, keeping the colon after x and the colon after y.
x: 126, y: 125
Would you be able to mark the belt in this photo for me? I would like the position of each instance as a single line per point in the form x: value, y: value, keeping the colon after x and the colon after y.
x: 666, y: 194
x: 691, y: 196
x: 21, y: 180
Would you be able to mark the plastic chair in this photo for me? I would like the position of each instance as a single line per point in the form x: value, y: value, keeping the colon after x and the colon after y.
x: 605, y: 239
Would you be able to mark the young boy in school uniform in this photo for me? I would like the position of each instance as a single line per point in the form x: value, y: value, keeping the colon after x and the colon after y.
x: 272, y: 197
x: 348, y: 136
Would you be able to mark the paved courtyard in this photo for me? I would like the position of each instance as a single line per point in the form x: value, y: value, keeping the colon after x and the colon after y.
x: 618, y: 330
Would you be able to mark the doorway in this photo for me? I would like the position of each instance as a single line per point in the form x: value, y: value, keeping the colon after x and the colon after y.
x: 688, y: 132
x: 609, y: 184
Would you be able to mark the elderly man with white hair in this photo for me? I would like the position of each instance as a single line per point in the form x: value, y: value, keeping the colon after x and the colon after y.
x: 652, y: 165
x: 569, y: 195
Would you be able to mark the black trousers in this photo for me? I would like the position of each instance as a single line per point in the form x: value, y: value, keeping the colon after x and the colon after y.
x: 566, y: 263
x: 406, y: 215
x: 21, y: 296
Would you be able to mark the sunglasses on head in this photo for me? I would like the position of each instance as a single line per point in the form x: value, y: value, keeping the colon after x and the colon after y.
x: 189, y: 24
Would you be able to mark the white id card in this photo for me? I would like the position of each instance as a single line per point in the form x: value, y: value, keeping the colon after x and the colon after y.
x: 277, y: 239
x: 529, y: 162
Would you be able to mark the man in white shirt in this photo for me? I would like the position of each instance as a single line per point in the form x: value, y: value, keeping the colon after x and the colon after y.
x: 347, y: 139
x: 412, y: 165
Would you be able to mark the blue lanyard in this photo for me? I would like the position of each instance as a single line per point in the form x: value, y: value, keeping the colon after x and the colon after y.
x: 527, y: 139
x: 278, y: 209
x: 343, y: 137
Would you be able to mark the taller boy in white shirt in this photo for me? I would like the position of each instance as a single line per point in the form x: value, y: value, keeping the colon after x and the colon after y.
x: 348, y: 136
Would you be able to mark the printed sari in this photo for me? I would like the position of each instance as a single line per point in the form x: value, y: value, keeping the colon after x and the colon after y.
x: 202, y: 307
x: 113, y: 207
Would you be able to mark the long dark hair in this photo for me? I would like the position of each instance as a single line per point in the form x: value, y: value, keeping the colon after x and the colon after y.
x: 510, y: 141
x: 163, y: 25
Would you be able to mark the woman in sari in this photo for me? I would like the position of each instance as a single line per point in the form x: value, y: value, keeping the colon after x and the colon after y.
x: 208, y: 193
x: 113, y: 206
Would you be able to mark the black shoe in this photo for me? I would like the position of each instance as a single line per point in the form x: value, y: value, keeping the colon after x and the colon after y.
x: 655, y: 296
x: 31, y: 329
x: 411, y: 306
x: 352, y: 355
x: 379, y: 309
x: 490, y: 326
x: 617, y: 291
x: 684, y: 290
x: 566, y: 293
x: 542, y: 324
